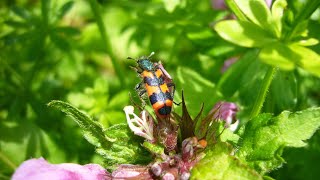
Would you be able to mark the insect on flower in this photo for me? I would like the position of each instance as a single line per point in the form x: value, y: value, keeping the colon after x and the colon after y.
x: 157, y: 83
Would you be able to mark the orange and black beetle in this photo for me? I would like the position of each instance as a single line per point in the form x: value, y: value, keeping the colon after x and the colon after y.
x: 158, y: 85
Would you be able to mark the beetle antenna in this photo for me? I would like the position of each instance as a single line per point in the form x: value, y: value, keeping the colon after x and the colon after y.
x: 151, y: 54
x: 131, y: 58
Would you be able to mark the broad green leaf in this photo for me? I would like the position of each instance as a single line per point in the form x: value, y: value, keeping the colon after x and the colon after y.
x: 265, y: 137
x: 243, y: 33
x: 24, y: 140
x: 287, y: 56
x: 125, y: 148
x: 307, y: 59
x: 278, y: 55
x: 92, y: 130
x: 220, y: 164
x: 229, y: 136
x: 196, y: 89
x: 230, y: 82
x: 117, y: 144
x: 257, y: 12
x: 277, y: 14
x: 301, y: 163
x: 283, y: 92
x: 119, y: 100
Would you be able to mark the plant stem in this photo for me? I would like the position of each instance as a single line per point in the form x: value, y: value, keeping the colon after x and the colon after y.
x: 263, y: 92
x: 95, y: 9
x: 7, y: 161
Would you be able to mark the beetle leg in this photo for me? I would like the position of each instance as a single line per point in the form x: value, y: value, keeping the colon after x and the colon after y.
x: 142, y: 92
x: 137, y: 69
x: 173, y: 88
x: 142, y: 98
x: 173, y: 91
x: 138, y: 86
x: 140, y: 107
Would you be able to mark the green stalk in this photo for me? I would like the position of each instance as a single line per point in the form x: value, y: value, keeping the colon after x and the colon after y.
x: 97, y: 15
x: 7, y: 161
x: 235, y: 9
x: 266, y: 82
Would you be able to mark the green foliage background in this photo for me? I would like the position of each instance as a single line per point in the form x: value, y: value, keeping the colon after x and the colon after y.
x: 76, y: 51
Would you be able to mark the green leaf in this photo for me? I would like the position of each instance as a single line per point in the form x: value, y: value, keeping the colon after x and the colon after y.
x: 265, y: 137
x: 117, y: 144
x: 125, y: 148
x: 154, y: 148
x: 24, y: 140
x: 243, y: 33
x: 21, y: 12
x: 64, y: 9
x: 196, y: 90
x: 307, y: 59
x: 257, y: 12
x: 277, y: 14
x: 229, y: 136
x: 219, y: 164
x: 278, y: 55
x: 308, y: 42
x: 287, y: 56
x: 230, y: 82
x: 283, y: 92
x: 235, y: 9
x: 92, y: 130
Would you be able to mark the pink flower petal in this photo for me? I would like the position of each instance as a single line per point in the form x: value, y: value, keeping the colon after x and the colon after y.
x: 39, y: 169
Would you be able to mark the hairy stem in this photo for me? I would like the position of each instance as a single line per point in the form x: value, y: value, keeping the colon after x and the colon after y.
x: 266, y: 82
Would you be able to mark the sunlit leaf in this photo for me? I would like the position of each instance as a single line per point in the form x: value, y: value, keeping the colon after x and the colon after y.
x: 196, y: 89
x: 125, y: 148
x: 278, y: 55
x: 221, y: 165
x: 266, y: 136
x: 243, y: 33
x: 308, y: 42
x: 277, y: 11
x: 257, y: 12
x: 307, y: 59
x: 92, y: 130
x: 117, y: 144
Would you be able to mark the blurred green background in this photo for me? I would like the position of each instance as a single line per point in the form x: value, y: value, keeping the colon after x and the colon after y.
x: 76, y: 51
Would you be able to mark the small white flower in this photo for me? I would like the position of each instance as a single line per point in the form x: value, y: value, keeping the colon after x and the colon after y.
x: 140, y: 126
x: 234, y: 126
